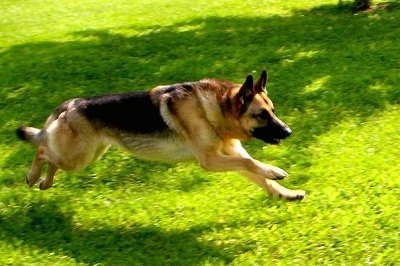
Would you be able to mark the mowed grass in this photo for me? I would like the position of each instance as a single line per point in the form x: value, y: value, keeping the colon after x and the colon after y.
x: 334, y: 78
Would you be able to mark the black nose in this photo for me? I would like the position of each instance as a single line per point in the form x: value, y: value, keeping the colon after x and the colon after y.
x: 280, y: 129
x: 286, y: 131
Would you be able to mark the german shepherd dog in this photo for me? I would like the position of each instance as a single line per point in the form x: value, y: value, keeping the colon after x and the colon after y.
x: 204, y: 120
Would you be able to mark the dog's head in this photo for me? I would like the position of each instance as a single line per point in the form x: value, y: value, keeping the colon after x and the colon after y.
x: 255, y: 112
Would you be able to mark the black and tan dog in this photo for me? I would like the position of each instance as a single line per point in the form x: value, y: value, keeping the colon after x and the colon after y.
x: 204, y: 120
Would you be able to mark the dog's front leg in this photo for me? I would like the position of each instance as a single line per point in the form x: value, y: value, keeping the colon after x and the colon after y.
x: 275, y: 188
x: 217, y: 162
x: 234, y: 148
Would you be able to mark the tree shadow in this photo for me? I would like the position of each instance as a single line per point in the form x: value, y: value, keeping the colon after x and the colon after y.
x: 45, y: 226
x: 324, y: 66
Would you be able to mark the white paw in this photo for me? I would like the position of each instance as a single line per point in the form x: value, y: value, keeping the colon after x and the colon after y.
x: 275, y: 173
x: 294, y: 195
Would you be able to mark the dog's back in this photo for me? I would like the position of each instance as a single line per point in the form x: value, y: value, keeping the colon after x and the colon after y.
x: 131, y: 112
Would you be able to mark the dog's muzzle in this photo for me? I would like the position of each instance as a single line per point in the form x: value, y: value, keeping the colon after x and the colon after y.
x: 273, y: 133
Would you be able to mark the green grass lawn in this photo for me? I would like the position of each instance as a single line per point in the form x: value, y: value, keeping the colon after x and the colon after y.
x: 334, y: 78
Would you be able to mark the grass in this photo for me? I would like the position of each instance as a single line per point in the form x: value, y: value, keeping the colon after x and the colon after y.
x: 334, y: 79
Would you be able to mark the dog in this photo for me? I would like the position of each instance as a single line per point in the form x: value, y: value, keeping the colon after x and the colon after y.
x: 204, y: 120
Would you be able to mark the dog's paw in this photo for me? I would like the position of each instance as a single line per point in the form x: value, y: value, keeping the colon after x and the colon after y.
x: 29, y: 181
x: 45, y: 184
x: 275, y: 173
x: 294, y: 195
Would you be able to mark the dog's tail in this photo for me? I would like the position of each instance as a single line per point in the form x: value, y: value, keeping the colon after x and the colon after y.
x: 30, y: 134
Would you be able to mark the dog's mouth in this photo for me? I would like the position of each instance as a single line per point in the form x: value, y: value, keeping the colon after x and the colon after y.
x: 267, y: 139
x: 269, y: 136
x: 273, y: 141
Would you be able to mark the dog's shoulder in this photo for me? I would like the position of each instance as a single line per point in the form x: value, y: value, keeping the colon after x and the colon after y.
x: 202, y: 90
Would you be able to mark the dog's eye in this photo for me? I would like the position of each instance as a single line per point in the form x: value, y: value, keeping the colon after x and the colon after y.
x: 263, y: 115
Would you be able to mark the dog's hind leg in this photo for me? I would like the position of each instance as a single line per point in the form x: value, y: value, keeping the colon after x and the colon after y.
x: 36, y: 169
x: 47, y: 182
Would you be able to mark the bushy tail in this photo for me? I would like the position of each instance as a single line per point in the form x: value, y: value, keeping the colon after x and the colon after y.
x: 30, y: 134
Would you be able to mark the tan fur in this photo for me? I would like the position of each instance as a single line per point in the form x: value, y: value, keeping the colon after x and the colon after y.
x: 200, y: 127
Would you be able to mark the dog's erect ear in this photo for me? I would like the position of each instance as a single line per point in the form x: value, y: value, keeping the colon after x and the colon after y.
x: 246, y: 92
x: 261, y: 82
x: 245, y: 95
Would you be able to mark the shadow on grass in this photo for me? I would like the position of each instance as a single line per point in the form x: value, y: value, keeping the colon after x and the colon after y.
x: 118, y: 171
x: 324, y: 66
x: 44, y: 226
